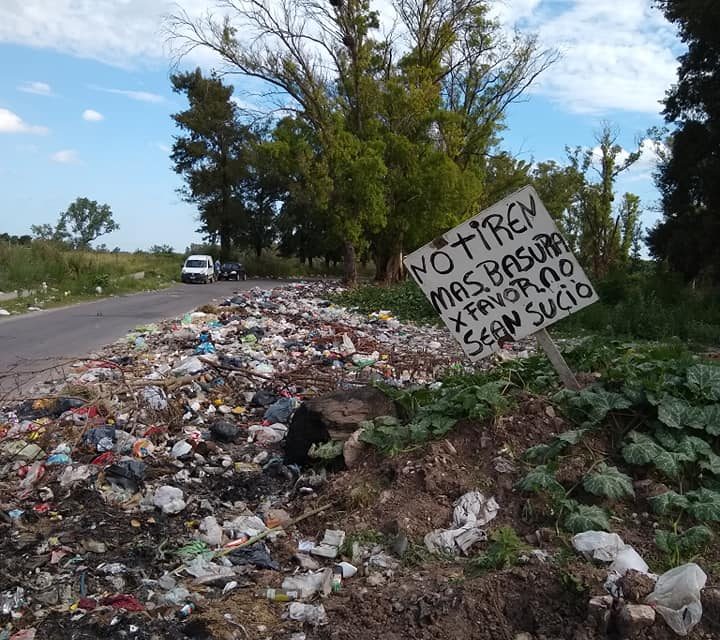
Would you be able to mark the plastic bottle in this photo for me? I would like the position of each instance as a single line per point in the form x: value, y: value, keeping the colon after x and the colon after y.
x: 278, y: 595
x: 337, y: 578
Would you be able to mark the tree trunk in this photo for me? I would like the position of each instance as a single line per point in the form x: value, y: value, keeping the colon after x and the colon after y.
x: 388, y: 262
x: 258, y: 250
x: 327, y: 262
x: 224, y: 244
x: 349, y: 265
x: 310, y: 259
x: 394, y: 268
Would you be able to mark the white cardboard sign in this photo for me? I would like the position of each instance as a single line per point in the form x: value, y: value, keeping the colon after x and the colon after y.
x: 504, y: 274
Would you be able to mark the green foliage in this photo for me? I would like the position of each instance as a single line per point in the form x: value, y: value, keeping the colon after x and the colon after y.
x: 540, y: 478
x: 589, y: 407
x: 545, y: 452
x: 581, y: 517
x: 431, y: 415
x: 503, y: 551
x: 326, y: 451
x: 405, y: 300
x: 704, y: 381
x: 79, y: 272
x: 608, y: 482
x: 682, y: 547
x: 704, y: 505
x: 648, y: 303
x: 668, y: 502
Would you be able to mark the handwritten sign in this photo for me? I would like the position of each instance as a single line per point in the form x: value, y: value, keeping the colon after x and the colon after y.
x: 502, y: 275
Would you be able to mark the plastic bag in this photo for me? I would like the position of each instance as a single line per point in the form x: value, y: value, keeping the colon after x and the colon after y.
x: 314, y: 615
x: 472, y: 511
x: 169, y: 499
x: 598, y: 545
x: 677, y: 597
x: 626, y: 559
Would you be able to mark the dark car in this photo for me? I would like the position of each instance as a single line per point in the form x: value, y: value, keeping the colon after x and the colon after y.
x: 232, y: 271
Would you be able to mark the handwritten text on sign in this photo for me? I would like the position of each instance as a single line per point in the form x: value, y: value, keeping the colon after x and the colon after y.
x: 504, y: 274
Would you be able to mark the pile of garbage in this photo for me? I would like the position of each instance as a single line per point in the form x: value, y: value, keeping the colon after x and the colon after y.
x: 152, y: 477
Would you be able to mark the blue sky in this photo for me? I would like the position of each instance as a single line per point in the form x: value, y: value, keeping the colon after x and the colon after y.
x: 85, y: 103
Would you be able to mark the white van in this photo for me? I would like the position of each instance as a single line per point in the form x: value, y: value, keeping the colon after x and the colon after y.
x: 198, y: 269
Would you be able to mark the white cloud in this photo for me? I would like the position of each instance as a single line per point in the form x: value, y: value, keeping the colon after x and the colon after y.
x: 126, y: 33
x: 163, y: 147
x: 90, y: 115
x: 616, y: 54
x: 140, y: 96
x: 65, y: 156
x: 38, y: 88
x: 12, y: 123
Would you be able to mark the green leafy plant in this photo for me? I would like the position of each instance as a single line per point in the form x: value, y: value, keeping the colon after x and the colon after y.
x: 682, y: 547
x: 609, y: 482
x: 582, y: 517
x: 540, y: 478
x: 503, y: 551
x: 326, y: 451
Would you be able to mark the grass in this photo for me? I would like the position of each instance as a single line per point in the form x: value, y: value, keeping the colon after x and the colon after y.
x: 72, y: 276
x: 645, y: 306
x: 405, y: 300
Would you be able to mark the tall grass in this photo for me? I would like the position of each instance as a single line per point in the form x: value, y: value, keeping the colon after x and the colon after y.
x: 79, y: 272
x: 643, y: 305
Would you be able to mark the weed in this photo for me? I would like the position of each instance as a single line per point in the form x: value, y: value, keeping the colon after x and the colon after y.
x: 365, y: 537
x: 504, y: 550
x: 363, y: 496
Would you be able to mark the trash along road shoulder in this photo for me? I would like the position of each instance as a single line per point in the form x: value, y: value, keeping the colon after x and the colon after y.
x: 207, y: 477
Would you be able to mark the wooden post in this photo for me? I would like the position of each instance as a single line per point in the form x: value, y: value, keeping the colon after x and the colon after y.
x: 553, y: 353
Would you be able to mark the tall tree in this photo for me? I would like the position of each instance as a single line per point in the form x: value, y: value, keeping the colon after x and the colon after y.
x: 326, y: 56
x: 209, y: 154
x: 689, y: 176
x: 82, y: 222
x: 601, y: 234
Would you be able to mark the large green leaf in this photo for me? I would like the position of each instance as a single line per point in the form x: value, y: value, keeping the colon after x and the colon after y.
x: 673, y: 412
x: 641, y: 449
x: 586, y: 518
x: 704, y: 381
x: 711, y: 463
x: 608, y: 482
x: 667, y: 502
x: 710, y: 416
x: 590, y: 406
x: 704, y: 505
x: 667, y: 462
x: 572, y: 437
x: 695, y: 538
x: 678, y: 443
x: 544, y: 452
x: 540, y: 478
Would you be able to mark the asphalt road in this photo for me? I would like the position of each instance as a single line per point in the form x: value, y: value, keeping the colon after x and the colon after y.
x: 37, y: 340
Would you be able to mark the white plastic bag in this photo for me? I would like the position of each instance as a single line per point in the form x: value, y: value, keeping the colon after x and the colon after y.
x: 598, y: 545
x: 626, y: 559
x: 677, y: 597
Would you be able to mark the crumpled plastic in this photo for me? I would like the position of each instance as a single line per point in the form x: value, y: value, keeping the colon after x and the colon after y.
x: 155, y: 398
x: 314, y: 615
x: 169, y: 499
x: 281, y: 410
x: 254, y: 554
x: 677, y: 597
x: 610, y: 547
x: 472, y: 511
